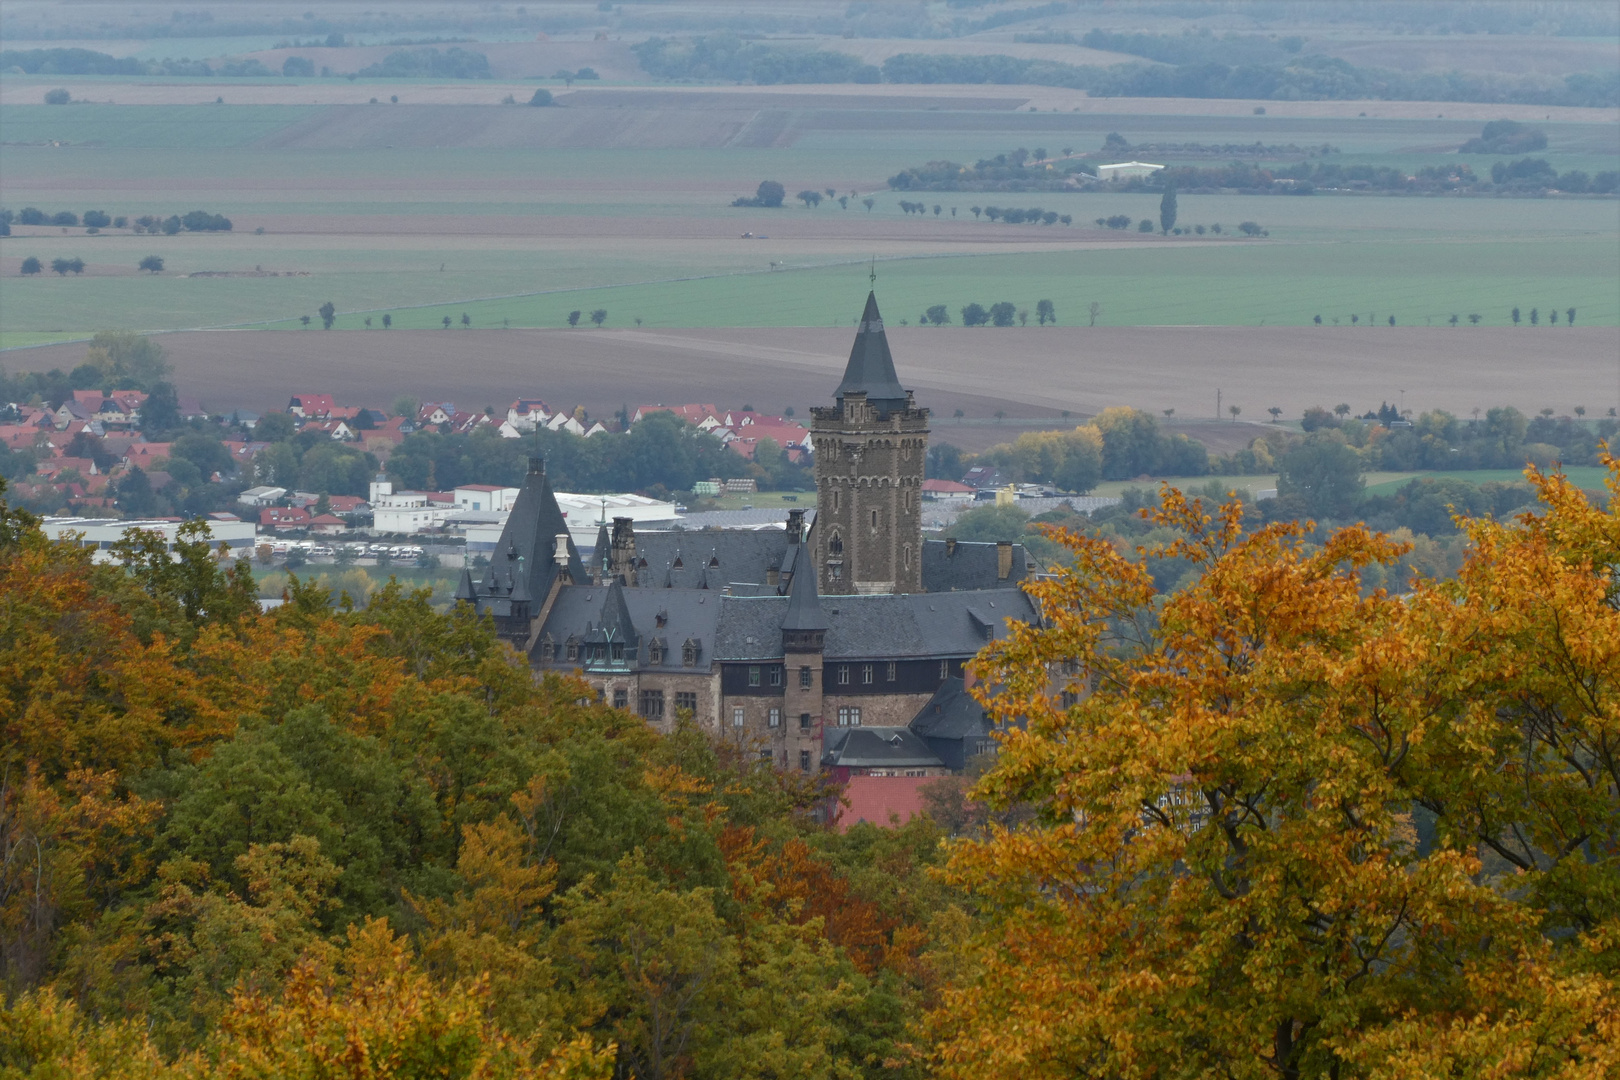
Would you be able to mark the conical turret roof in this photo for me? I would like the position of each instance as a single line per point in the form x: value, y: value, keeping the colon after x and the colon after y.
x: 871, y: 366
x: 804, y: 605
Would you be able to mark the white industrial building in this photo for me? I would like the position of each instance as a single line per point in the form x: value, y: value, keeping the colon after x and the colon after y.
x: 103, y: 533
x: 1124, y: 170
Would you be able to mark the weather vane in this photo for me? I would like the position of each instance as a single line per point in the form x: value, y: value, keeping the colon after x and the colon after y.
x: 872, y: 277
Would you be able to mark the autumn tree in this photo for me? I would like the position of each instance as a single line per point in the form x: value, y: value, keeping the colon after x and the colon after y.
x: 1290, y: 826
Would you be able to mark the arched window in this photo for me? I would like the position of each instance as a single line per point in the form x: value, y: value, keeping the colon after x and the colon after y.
x: 835, y: 544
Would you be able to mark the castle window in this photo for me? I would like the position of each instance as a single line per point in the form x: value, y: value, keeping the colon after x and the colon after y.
x: 686, y: 700
x: 806, y: 679
x: 655, y: 653
x: 866, y: 674
x: 804, y: 721
x: 891, y: 671
x: 843, y: 674
x: 621, y: 698
x: 765, y: 755
x: 548, y: 648
x: 652, y: 704
x: 753, y: 675
x: 774, y: 718
x: 776, y: 675
x: 849, y: 716
x: 573, y: 649
x: 835, y: 544
x: 689, y: 652
x: 618, y: 650
x: 874, y: 519
x: 804, y: 760
x: 944, y: 669
x: 737, y: 717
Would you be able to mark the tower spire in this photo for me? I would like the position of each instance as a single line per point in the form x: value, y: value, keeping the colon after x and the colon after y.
x: 871, y: 366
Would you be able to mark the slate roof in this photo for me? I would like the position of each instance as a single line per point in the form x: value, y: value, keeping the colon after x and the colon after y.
x: 871, y: 366
x: 708, y: 558
x: 915, y: 626
x: 876, y: 747
x: 669, y: 616
x: 951, y: 714
x: 969, y: 566
x: 521, y: 568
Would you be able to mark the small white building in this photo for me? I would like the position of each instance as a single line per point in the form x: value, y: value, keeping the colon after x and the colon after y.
x: 1124, y: 170
x: 485, y: 497
x: 102, y: 533
x: 261, y: 496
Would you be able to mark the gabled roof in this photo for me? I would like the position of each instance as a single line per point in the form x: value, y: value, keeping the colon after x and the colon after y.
x: 912, y: 626
x: 962, y: 565
x: 876, y: 747
x: 951, y: 714
x: 871, y: 366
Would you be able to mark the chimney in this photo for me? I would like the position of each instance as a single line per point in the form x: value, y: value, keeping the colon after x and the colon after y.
x: 795, y: 526
x: 560, y: 556
x: 950, y: 546
x: 1003, y: 559
x: 969, y: 677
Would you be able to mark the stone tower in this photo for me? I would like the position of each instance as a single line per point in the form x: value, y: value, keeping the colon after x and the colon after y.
x: 869, y: 471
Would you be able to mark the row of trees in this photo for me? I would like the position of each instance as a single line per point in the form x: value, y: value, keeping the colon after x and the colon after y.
x: 1000, y: 314
x: 31, y: 265
x: 96, y: 220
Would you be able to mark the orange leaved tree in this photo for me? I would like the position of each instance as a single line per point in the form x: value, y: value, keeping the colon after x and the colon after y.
x: 1292, y: 827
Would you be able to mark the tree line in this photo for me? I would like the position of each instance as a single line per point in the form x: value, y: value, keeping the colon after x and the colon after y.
x: 95, y: 220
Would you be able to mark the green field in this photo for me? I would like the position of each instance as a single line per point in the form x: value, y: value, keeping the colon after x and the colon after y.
x: 522, y: 235
x: 1586, y: 477
x: 1226, y: 283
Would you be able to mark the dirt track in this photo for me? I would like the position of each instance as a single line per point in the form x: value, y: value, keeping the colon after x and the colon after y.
x: 1025, y: 372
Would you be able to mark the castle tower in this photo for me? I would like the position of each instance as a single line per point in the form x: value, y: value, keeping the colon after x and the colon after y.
x: 870, y: 449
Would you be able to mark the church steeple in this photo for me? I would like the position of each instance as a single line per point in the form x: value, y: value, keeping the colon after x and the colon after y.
x: 871, y: 366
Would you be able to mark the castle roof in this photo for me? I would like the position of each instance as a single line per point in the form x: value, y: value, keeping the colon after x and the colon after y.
x: 871, y: 366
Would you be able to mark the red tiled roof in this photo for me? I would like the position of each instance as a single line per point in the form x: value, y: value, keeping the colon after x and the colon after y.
x: 875, y: 799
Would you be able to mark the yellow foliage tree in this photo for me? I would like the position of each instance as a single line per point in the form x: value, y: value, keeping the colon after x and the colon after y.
x: 1291, y: 827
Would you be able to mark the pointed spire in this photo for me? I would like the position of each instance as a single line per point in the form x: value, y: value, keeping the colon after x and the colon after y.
x: 616, y: 614
x: 804, y: 605
x: 464, y: 587
x: 871, y: 366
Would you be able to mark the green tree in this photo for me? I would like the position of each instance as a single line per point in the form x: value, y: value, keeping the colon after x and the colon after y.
x: 599, y: 316
x: 769, y: 193
x: 1535, y: 317
x: 975, y: 315
x: 328, y: 314
x: 1515, y: 316
x: 58, y: 96
x: 61, y: 267
x: 387, y: 320
x: 541, y: 97
x: 466, y: 320
x: 573, y: 318
x: 868, y: 202
x: 809, y: 198
x: 30, y: 265
x: 305, y: 320
x: 938, y: 315
x: 152, y: 264
x: 1569, y: 315
x: 989, y: 524
x: 1045, y: 312
x: 1167, y: 209
x: 1324, y: 472
x: 445, y: 322
x: 275, y: 427
x: 161, y: 410
x: 1001, y: 314
x: 1474, y: 319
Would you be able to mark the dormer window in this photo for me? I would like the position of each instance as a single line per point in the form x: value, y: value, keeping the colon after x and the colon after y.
x: 655, y: 653
x: 548, y: 648
x: 689, y: 653
x: 714, y: 560
x: 573, y: 649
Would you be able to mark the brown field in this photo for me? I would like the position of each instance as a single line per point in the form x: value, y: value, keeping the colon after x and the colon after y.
x: 1030, y: 373
x: 29, y: 90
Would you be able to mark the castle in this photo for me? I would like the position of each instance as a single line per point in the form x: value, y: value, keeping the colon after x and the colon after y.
x: 784, y: 641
